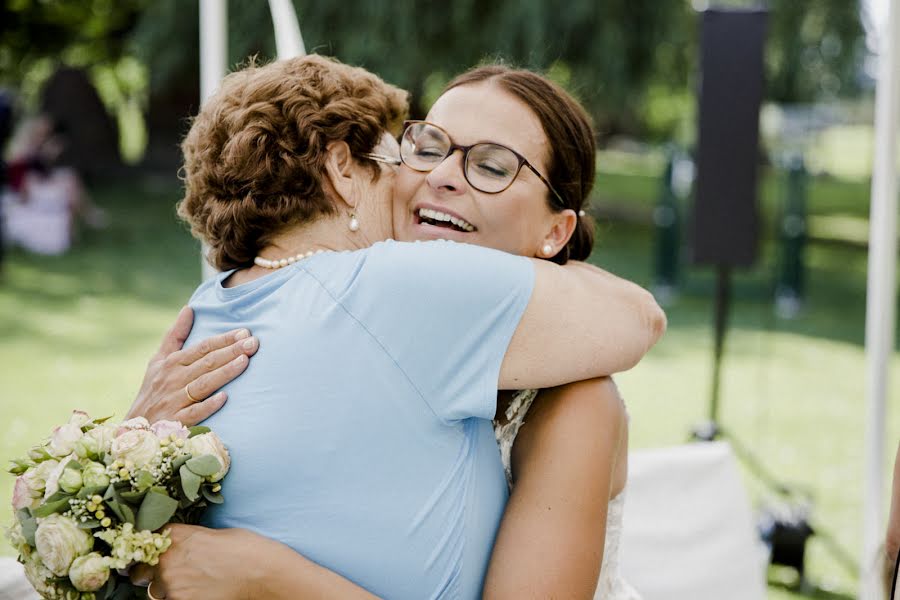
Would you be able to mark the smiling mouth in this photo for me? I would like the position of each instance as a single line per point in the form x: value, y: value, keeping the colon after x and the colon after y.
x: 439, y: 219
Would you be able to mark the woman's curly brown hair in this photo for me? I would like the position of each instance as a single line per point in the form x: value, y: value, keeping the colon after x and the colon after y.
x: 254, y: 157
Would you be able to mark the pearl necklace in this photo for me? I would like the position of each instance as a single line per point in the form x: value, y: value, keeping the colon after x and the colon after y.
x: 265, y: 263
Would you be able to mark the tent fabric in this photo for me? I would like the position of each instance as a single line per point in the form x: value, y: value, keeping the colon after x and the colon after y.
x: 689, y: 530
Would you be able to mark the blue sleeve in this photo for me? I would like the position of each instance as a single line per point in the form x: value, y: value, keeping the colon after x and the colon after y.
x: 445, y: 312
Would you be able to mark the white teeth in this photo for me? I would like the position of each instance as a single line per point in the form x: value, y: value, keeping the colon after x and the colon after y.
x: 435, y: 215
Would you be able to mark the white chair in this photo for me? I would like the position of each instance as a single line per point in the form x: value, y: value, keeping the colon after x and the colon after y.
x: 689, y: 530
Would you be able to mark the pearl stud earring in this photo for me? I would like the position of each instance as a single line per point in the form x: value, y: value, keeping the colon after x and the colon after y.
x: 547, y: 249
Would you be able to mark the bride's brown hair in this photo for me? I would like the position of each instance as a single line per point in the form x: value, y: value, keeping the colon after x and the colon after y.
x: 255, y: 154
x: 571, y: 140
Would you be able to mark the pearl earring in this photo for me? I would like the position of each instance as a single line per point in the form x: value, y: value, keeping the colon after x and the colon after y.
x: 547, y: 249
x: 354, y: 222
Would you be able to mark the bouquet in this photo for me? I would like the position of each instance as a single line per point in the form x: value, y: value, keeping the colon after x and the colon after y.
x: 91, y: 499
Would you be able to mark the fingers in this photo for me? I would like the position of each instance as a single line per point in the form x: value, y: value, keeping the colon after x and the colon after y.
x: 178, y: 333
x: 141, y: 574
x: 204, y: 384
x: 199, y: 412
x: 217, y: 359
x: 189, y: 356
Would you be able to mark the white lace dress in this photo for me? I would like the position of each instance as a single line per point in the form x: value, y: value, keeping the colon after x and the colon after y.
x: 610, y: 586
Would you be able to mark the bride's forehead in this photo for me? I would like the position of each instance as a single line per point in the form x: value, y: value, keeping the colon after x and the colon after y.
x: 486, y: 112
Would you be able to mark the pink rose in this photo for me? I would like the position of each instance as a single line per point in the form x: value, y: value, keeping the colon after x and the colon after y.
x: 132, y: 424
x: 63, y: 439
x: 22, y: 497
x: 164, y: 429
x: 80, y: 418
x: 138, y: 446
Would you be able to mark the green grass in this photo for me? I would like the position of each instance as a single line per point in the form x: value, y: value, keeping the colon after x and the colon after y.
x: 77, y: 331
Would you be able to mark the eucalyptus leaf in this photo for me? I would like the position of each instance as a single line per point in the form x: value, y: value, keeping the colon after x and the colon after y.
x: 133, y: 497
x: 60, y: 495
x: 89, y: 524
x: 86, y: 492
x: 127, y: 513
x: 144, y: 480
x: 49, y: 508
x: 198, y: 430
x: 204, y: 466
x: 74, y: 465
x: 214, y: 497
x: 114, y: 506
x: 110, y: 492
x: 28, y: 524
x: 190, y: 482
x: 176, y: 464
x: 155, y: 511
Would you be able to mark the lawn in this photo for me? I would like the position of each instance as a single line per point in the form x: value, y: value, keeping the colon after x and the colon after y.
x: 78, y: 329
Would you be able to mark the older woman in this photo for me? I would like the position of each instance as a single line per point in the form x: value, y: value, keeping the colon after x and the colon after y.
x: 362, y: 438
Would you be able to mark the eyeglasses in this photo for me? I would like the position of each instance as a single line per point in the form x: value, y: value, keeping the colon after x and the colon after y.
x: 383, y: 158
x: 488, y: 167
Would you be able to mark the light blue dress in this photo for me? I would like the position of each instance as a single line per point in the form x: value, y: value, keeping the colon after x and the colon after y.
x: 360, y: 434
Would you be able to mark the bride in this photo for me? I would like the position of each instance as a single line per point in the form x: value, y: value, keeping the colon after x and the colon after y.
x: 519, y: 183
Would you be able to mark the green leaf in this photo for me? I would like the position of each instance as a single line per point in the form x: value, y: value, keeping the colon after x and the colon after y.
x: 113, y: 505
x: 89, y: 524
x: 28, y: 524
x: 74, y: 465
x: 144, y: 480
x: 127, y: 513
x: 190, y: 482
x: 155, y: 511
x: 204, y: 466
x: 86, y: 492
x: 60, y: 495
x: 19, y: 466
x: 176, y: 464
x: 110, y: 493
x: 198, y: 430
x: 49, y: 508
x: 133, y: 497
x: 214, y: 497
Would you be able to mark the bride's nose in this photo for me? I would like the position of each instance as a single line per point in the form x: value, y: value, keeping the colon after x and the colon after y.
x: 448, y: 176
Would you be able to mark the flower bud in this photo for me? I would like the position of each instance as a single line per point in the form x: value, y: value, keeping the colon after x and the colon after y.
x: 89, y: 573
x: 209, y: 443
x: 87, y: 447
x: 94, y: 475
x: 70, y: 481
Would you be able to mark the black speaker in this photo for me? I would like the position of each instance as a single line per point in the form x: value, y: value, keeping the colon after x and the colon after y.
x: 725, y: 221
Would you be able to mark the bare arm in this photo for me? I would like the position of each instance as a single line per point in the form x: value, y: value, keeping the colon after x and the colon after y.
x: 568, y: 460
x: 236, y: 564
x: 581, y: 322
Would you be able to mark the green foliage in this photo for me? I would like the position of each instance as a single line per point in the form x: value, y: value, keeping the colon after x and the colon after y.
x: 621, y: 58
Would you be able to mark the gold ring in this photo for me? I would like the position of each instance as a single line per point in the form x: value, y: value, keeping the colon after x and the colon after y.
x: 188, y: 394
x: 150, y: 585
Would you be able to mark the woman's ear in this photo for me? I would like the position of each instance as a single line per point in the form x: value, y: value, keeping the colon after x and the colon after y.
x: 562, y: 226
x: 340, y: 171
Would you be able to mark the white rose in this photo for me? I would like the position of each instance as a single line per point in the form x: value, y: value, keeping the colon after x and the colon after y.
x: 59, y: 541
x: 164, y: 429
x: 80, y: 418
x: 16, y: 537
x: 38, y: 576
x: 89, y: 573
x: 62, y: 441
x: 139, y: 446
x: 52, y: 482
x: 209, y: 443
x: 104, y: 435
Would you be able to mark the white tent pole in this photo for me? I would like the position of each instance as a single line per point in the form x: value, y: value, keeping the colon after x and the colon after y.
x: 213, y: 66
x: 881, y: 294
x: 288, y: 40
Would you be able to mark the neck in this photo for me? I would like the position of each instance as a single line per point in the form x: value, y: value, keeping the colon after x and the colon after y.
x: 324, y: 234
